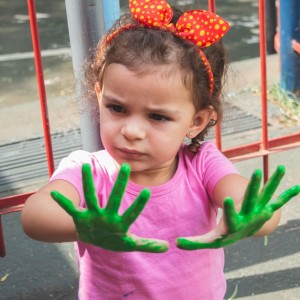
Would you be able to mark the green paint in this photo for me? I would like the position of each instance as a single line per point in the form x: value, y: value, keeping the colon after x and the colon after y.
x: 104, y: 227
x: 255, y: 211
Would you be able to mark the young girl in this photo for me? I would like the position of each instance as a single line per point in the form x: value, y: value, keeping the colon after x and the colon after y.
x: 157, y: 83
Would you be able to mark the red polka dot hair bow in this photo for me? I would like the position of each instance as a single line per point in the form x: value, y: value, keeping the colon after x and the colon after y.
x: 200, y: 27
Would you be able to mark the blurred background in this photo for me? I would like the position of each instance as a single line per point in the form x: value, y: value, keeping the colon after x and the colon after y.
x: 17, y: 73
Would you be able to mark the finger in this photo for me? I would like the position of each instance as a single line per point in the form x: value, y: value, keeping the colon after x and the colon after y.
x: 270, y: 187
x: 136, y: 207
x: 89, y: 188
x: 118, y: 190
x: 210, y: 239
x: 284, y: 197
x: 64, y: 202
x: 195, y: 243
x: 230, y: 214
x: 149, y: 245
x: 188, y: 244
x: 251, y: 193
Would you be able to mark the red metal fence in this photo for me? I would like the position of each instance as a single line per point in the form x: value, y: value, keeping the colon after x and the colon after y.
x: 262, y: 148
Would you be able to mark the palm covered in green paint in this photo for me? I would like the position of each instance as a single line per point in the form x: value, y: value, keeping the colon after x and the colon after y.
x: 104, y: 227
x: 255, y: 211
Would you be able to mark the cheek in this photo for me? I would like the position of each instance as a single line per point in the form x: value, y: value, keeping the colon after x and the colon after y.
x: 107, y: 136
x: 167, y: 140
x: 106, y: 119
x: 106, y: 126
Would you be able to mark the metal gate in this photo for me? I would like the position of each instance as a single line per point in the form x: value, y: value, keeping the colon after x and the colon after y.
x: 261, y: 148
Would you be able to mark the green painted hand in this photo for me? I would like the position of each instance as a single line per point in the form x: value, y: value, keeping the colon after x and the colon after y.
x: 104, y: 227
x: 254, y: 213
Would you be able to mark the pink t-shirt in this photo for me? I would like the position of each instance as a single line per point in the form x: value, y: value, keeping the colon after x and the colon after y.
x: 181, y: 207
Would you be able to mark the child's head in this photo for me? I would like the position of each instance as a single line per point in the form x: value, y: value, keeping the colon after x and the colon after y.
x: 142, y: 49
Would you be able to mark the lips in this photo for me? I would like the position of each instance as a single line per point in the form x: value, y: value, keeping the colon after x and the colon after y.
x: 130, y: 153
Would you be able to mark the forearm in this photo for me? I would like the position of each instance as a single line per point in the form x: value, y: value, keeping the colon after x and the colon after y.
x: 44, y: 220
x: 270, y: 225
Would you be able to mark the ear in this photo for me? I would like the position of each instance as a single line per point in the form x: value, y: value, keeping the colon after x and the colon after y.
x: 98, y: 90
x: 200, y: 121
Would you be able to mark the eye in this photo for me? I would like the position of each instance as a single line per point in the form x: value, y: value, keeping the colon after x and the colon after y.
x: 115, y: 108
x: 158, y: 117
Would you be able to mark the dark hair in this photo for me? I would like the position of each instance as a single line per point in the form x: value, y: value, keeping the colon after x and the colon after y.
x: 139, y: 46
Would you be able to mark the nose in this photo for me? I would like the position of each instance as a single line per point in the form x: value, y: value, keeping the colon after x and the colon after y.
x: 132, y: 130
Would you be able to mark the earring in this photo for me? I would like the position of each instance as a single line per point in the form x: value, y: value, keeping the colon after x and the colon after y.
x: 191, y: 133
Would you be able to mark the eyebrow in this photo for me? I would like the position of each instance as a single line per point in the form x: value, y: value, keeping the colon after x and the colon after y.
x: 163, y: 111
x: 112, y: 99
x: 157, y: 110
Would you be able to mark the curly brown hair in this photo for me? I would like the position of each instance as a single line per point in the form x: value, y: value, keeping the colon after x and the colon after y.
x: 137, y: 47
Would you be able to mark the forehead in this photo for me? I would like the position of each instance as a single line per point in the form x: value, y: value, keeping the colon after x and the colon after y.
x: 167, y: 72
x: 162, y: 82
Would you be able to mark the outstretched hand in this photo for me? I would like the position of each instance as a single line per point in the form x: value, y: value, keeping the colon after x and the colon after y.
x: 104, y: 227
x: 255, y: 211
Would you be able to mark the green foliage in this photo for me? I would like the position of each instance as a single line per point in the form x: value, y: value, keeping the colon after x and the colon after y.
x: 289, y: 103
x: 234, y: 293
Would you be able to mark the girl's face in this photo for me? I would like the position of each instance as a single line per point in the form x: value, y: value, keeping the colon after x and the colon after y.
x: 144, y: 119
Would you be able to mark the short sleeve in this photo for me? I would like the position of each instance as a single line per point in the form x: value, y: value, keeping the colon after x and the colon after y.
x: 213, y: 166
x: 69, y: 169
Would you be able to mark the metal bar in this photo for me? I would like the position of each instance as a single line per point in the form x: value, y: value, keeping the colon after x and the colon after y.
x: 252, y: 150
x: 2, y: 243
x: 12, y: 201
x: 9, y: 205
x: 41, y: 84
x: 212, y: 5
x: 86, y: 26
x: 258, y: 154
x: 263, y: 72
x: 218, y: 131
x: 218, y: 134
x: 266, y: 167
x: 12, y: 209
x: 285, y: 140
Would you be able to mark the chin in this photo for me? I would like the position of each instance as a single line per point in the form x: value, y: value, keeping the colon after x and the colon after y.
x: 135, y: 166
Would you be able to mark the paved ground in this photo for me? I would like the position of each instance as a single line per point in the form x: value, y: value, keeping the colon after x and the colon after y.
x: 256, y: 268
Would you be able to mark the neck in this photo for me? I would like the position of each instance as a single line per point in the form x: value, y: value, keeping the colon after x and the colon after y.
x: 155, y: 177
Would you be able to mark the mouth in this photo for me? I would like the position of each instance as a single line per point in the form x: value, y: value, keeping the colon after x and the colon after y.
x: 129, y: 153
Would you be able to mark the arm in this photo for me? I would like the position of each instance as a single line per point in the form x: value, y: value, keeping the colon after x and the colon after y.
x: 241, y: 219
x: 102, y: 227
x: 235, y: 186
x: 44, y: 220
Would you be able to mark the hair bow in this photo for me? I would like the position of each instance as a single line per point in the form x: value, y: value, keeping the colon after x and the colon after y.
x: 201, y: 27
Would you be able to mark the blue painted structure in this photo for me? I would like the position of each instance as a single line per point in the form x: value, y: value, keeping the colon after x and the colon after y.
x: 111, y: 12
x: 289, y: 58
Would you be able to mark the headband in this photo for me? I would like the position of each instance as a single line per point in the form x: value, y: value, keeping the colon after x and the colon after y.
x: 202, y: 28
